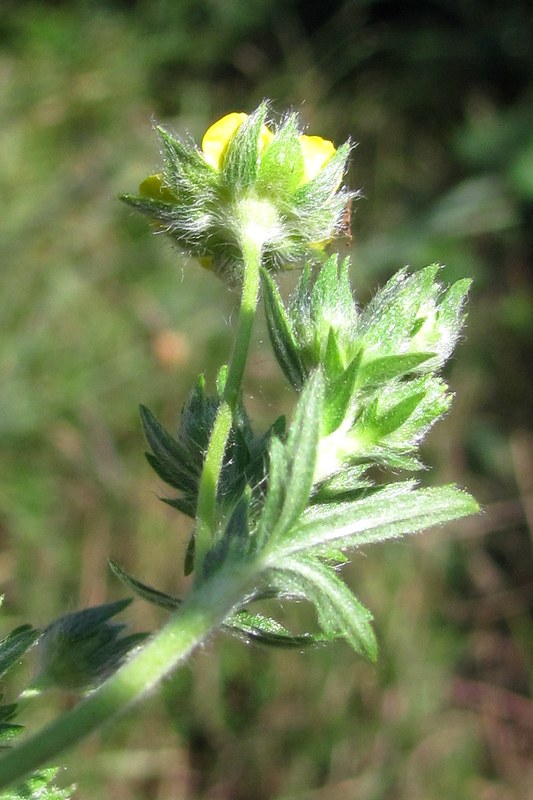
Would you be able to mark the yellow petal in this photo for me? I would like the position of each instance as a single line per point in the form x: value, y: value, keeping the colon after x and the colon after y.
x: 153, y: 187
x: 316, y: 151
x: 218, y: 135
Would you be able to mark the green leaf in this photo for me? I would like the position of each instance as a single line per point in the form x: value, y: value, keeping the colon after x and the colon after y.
x: 277, y: 478
x: 382, y: 369
x: 333, y: 362
x: 389, y: 513
x: 435, y: 401
x: 148, y: 593
x: 300, y: 453
x: 450, y: 317
x: 281, y: 333
x: 264, y: 630
x: 15, y: 644
x: 339, y: 612
x: 332, y: 305
x: 349, y: 481
x: 79, y: 650
x: 8, y: 732
x: 339, y: 396
x: 388, y: 320
x: 170, y: 460
x: 398, y: 414
x: 255, y: 628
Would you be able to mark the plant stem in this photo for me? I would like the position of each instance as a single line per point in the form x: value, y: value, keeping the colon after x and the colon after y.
x: 207, y: 490
x: 202, y: 613
x: 251, y: 251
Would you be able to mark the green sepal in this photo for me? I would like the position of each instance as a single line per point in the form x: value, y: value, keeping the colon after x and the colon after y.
x: 281, y: 166
x: 186, y: 170
x: 314, y: 193
x: 241, y: 156
x: 156, y: 210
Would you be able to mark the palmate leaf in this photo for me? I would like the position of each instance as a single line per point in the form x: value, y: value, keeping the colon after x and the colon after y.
x: 339, y: 612
x: 388, y: 513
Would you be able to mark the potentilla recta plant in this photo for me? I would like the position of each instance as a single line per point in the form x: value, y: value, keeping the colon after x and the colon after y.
x: 274, y: 514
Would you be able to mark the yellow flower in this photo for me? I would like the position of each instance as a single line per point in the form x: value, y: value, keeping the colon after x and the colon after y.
x: 315, y: 150
x: 316, y: 153
x: 248, y: 181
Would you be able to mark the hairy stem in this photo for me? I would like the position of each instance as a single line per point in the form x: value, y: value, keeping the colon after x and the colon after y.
x: 202, y: 613
x: 251, y: 251
x: 207, y: 490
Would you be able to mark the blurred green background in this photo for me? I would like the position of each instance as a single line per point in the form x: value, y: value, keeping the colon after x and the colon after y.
x: 98, y: 315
